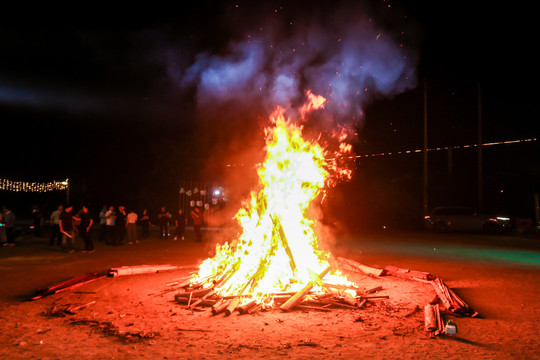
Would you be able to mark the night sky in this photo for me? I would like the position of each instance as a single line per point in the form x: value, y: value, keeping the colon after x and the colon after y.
x: 127, y: 102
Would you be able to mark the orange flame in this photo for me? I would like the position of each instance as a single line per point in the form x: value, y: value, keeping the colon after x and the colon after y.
x: 278, y: 249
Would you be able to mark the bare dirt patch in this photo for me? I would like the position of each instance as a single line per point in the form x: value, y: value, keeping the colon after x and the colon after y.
x: 128, y: 317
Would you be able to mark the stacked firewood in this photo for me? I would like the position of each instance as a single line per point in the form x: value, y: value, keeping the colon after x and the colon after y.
x: 451, y: 302
x: 446, y: 301
x: 454, y: 304
x: 331, y: 296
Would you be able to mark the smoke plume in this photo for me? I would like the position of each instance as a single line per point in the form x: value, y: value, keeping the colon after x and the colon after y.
x: 342, y: 56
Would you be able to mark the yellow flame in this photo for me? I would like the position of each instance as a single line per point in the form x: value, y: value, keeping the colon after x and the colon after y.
x: 277, y: 250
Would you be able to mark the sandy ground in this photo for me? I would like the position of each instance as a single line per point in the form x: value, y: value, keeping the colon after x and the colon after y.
x: 134, y: 317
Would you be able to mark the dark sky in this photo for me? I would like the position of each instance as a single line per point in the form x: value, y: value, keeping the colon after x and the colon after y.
x: 125, y: 98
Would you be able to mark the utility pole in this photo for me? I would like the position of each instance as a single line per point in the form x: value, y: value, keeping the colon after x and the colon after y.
x: 480, y: 165
x: 450, y: 164
x: 425, y: 187
x: 537, y: 211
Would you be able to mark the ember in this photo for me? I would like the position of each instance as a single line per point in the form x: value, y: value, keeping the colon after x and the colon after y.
x: 278, y: 250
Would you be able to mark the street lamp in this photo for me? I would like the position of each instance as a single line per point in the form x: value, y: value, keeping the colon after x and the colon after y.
x: 66, y: 184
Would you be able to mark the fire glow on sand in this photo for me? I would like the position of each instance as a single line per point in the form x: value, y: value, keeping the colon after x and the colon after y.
x: 278, y: 250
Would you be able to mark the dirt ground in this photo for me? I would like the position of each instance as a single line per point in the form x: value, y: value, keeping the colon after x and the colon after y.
x: 135, y: 317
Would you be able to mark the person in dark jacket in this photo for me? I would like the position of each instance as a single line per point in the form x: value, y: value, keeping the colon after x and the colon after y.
x: 85, y: 223
x: 66, y: 229
x: 180, y: 223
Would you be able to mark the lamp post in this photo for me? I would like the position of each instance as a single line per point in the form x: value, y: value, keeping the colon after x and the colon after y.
x: 66, y: 184
x: 425, y: 153
x: 480, y: 190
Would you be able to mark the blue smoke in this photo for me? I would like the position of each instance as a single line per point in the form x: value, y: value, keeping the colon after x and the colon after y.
x: 350, y: 65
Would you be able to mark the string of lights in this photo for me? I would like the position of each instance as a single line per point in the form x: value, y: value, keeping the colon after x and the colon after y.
x: 26, y: 186
x: 445, y: 148
x: 422, y: 150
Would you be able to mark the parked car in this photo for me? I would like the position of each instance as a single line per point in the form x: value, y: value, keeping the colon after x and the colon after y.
x: 459, y: 218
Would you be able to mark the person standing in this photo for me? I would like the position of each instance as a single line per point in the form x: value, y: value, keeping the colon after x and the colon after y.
x: 164, y: 217
x: 180, y: 223
x: 55, y: 228
x: 85, y: 223
x: 66, y: 229
x: 131, y: 226
x: 76, y: 222
x: 197, y: 217
x: 121, y: 224
x: 145, y: 224
x: 103, y: 223
x: 9, y: 222
x: 36, y: 217
x: 110, y: 238
x: 3, y: 237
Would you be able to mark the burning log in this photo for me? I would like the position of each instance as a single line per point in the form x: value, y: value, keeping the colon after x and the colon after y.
x: 227, y: 274
x: 299, y: 296
x: 220, y: 306
x: 324, y: 296
x: 349, y: 299
x: 211, y: 293
x: 284, y: 241
x: 254, y: 309
x: 232, y: 306
x: 245, y: 308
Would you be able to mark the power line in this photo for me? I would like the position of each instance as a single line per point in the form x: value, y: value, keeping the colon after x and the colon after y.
x: 443, y: 148
x: 406, y: 152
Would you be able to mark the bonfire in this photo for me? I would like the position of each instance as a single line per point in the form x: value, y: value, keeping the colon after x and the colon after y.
x: 277, y: 252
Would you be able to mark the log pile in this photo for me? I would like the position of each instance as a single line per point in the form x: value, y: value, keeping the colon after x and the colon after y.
x: 444, y: 302
x: 454, y: 304
x: 451, y: 303
x: 332, y: 296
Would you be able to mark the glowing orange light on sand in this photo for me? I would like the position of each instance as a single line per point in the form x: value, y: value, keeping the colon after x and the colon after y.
x: 277, y: 250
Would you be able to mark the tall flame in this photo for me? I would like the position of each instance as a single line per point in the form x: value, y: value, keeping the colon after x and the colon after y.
x: 278, y: 249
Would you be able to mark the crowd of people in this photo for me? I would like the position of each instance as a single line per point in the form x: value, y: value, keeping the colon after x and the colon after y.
x: 115, y: 226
